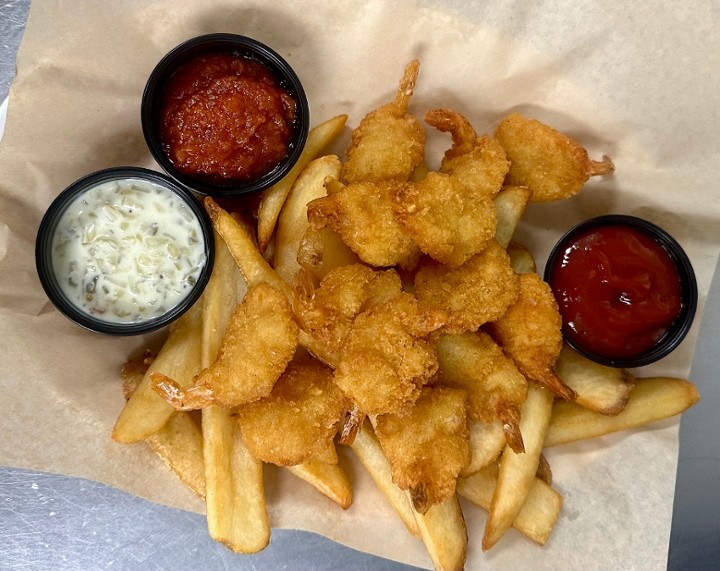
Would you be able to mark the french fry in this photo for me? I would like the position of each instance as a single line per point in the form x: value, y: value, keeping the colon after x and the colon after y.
x: 180, y: 445
x: 329, y: 479
x: 510, y: 205
x: 486, y: 443
x: 367, y: 448
x: 235, y: 495
x: 651, y: 399
x: 538, y: 514
x: 322, y: 250
x: 292, y: 221
x: 146, y: 412
x: 598, y: 388
x: 521, y: 259
x: 273, y: 199
x: 443, y: 531
x: 517, y: 471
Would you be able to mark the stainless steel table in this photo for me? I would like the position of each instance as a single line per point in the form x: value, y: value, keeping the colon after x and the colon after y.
x: 55, y: 522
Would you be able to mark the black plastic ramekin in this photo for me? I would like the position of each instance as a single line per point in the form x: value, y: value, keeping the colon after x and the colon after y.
x: 240, y: 46
x: 49, y: 226
x: 688, y: 288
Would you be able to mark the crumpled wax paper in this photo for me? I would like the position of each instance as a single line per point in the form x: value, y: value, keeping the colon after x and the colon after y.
x: 636, y: 82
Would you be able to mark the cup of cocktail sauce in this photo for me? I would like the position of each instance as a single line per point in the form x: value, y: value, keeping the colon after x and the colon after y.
x: 625, y: 288
x: 225, y: 115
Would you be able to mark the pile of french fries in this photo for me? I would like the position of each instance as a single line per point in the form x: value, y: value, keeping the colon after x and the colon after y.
x: 206, y: 449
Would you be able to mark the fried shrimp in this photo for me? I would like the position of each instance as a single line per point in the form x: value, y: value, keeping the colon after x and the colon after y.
x: 428, y: 446
x: 530, y: 333
x: 389, y: 143
x: 259, y: 342
x: 386, y: 357
x: 362, y: 215
x: 477, y: 292
x: 496, y: 389
x: 550, y: 163
x: 345, y: 292
x: 298, y: 421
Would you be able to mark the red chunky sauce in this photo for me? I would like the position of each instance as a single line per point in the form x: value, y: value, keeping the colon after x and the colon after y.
x: 225, y: 117
x: 618, y: 291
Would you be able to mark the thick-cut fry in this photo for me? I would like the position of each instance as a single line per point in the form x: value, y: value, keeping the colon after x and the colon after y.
x: 292, y: 222
x: 517, y: 471
x: 444, y: 534
x: 322, y: 250
x: 146, y: 412
x: 367, y: 448
x: 486, y: 444
x: 329, y: 479
x: 235, y: 495
x: 598, y: 388
x: 510, y: 205
x: 521, y: 259
x: 273, y: 199
x: 651, y: 399
x: 538, y: 514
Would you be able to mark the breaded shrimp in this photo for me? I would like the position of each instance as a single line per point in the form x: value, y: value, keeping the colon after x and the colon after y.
x: 387, y: 356
x: 551, y: 164
x: 389, y: 143
x: 496, y: 389
x: 428, y: 446
x: 298, y: 421
x: 362, y: 215
x: 530, y: 333
x: 477, y: 292
x: 259, y: 342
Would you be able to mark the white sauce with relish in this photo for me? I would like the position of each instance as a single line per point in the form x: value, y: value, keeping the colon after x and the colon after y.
x: 127, y: 251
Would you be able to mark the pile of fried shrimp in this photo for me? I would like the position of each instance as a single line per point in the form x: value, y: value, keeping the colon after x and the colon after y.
x: 372, y: 303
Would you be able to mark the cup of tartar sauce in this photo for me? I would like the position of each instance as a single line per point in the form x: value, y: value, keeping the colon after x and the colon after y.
x: 124, y: 251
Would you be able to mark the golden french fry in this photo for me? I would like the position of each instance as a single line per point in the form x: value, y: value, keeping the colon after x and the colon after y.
x: 322, y: 250
x: 292, y: 221
x: 443, y: 531
x: 521, y: 259
x: 598, y: 388
x: 650, y: 400
x: 273, y: 199
x: 517, y: 471
x: 329, y: 479
x: 179, y: 358
x: 367, y: 448
x: 538, y: 514
x: 510, y: 205
x: 486, y: 443
x: 180, y: 445
x: 235, y: 494
x: 253, y: 266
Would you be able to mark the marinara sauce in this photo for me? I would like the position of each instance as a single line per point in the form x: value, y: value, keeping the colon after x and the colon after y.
x: 618, y: 289
x: 225, y: 117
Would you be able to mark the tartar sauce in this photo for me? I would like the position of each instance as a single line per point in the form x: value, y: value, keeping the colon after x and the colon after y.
x: 128, y: 251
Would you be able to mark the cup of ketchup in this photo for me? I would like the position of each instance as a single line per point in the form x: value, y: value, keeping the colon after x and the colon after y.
x: 625, y: 288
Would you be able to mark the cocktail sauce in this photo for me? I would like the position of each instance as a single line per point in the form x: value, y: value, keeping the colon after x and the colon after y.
x: 225, y: 117
x: 618, y: 290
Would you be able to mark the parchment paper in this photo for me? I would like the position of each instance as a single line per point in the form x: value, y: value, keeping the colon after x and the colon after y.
x: 638, y: 83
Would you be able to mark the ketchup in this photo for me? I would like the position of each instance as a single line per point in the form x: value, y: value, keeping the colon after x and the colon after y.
x: 618, y: 290
x: 225, y: 117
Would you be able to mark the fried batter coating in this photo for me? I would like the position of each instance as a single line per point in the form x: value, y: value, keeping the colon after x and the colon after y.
x: 259, y: 342
x: 451, y: 214
x: 298, y: 421
x: 552, y: 164
x: 477, y: 292
x: 345, y: 292
x: 530, y: 333
x: 386, y: 357
x: 363, y: 217
x: 428, y: 446
x: 496, y: 389
x: 389, y: 143
x: 479, y: 164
